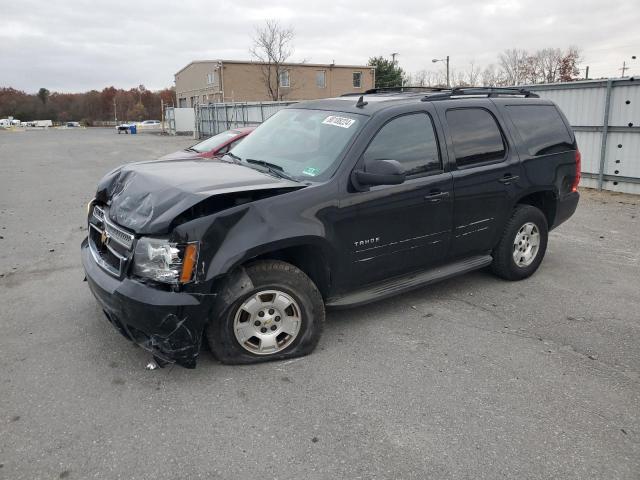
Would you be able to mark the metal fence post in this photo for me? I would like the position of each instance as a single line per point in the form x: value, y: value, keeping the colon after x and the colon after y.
x: 215, y: 119
x: 196, y: 126
x: 605, y: 132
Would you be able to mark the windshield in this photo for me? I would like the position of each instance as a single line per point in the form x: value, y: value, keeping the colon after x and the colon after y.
x: 214, y: 142
x: 304, y: 144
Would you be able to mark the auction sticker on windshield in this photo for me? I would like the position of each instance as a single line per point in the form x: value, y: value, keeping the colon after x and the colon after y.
x: 342, y: 122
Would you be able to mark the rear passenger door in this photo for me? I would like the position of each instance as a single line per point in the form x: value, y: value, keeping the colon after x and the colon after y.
x: 486, y: 172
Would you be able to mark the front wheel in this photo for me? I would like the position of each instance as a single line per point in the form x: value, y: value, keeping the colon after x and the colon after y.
x: 280, y: 317
x: 523, y: 244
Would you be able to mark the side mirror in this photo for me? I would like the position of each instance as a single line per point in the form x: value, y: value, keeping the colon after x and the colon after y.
x: 379, y: 172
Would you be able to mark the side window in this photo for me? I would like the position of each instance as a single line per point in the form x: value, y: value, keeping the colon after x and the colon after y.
x: 476, y: 136
x: 409, y: 139
x: 541, y: 128
x: 223, y: 150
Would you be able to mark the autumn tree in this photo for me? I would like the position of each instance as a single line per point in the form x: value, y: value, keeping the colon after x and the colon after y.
x: 87, y: 107
x: 569, y: 65
x: 137, y: 112
x: 272, y: 47
x: 547, y: 65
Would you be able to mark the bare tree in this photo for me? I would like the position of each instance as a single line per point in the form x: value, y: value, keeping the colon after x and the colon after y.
x: 514, y: 65
x: 272, y: 47
x: 551, y: 65
x: 472, y: 75
x: 418, y: 79
x: 491, y: 77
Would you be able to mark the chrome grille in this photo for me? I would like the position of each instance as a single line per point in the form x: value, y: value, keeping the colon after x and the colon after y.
x: 110, y: 245
x: 119, y: 235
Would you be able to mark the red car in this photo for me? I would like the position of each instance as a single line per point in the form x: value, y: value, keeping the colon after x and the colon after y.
x: 215, y: 146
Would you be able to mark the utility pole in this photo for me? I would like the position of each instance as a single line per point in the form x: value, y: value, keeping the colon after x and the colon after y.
x: 393, y: 57
x: 624, y: 68
x: 586, y: 73
x: 115, y: 111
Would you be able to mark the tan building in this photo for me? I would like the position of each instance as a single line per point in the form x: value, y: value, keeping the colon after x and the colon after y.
x: 207, y: 81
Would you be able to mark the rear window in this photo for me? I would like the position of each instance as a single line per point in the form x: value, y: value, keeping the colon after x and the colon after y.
x: 541, y: 129
x: 476, y: 136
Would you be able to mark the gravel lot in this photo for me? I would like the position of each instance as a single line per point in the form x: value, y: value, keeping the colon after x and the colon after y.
x: 471, y: 378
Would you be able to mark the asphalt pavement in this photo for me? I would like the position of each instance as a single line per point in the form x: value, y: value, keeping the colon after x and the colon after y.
x: 472, y: 378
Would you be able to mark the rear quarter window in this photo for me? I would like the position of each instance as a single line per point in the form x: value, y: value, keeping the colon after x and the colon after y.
x: 541, y: 128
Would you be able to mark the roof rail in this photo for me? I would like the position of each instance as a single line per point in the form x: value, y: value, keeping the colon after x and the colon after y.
x: 485, y: 91
x: 372, y: 91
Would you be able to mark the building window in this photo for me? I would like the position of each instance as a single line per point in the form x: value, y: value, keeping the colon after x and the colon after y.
x: 321, y: 79
x: 204, y: 99
x: 357, y: 79
x: 284, y: 78
x: 212, y: 78
x: 182, y: 103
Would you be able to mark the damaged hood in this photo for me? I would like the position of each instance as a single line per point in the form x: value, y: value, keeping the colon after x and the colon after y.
x: 147, y: 196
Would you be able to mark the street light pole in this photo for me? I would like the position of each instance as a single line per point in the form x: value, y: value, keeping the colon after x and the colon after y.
x: 446, y: 60
x: 448, y: 83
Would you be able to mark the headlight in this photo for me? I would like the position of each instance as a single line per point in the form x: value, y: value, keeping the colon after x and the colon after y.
x: 166, y: 262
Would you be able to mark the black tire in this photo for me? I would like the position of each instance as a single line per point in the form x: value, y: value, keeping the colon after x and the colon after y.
x: 504, y: 264
x: 270, y: 275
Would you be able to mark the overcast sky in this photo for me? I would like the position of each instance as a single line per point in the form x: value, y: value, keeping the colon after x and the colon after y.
x: 90, y: 44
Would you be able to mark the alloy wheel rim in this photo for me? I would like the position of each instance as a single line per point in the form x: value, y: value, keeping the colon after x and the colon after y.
x: 267, y: 322
x: 526, y: 244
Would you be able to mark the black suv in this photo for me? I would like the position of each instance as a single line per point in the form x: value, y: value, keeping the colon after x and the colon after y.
x: 329, y: 203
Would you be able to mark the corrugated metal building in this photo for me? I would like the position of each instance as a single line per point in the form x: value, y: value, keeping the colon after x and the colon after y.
x: 605, y: 115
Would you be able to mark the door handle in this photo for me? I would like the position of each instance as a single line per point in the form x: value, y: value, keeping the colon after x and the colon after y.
x: 507, y: 179
x: 436, y: 196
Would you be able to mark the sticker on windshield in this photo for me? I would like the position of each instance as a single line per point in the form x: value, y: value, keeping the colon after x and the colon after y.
x: 312, y: 172
x: 342, y: 122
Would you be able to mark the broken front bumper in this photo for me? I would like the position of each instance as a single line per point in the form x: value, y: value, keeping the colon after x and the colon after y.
x: 168, y: 324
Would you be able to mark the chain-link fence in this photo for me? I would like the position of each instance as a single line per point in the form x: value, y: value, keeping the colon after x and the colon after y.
x: 214, y: 118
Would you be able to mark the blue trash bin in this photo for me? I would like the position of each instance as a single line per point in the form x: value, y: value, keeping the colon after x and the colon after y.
x: 133, y: 129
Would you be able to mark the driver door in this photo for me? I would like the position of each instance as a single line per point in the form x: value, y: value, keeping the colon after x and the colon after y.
x: 394, y: 229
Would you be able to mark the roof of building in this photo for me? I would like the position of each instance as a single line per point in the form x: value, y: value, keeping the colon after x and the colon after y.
x: 286, y: 64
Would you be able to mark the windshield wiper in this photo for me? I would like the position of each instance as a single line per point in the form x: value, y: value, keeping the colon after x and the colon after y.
x: 272, y: 167
x: 236, y: 158
x: 191, y: 149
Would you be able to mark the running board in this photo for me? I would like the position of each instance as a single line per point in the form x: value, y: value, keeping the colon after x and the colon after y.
x: 405, y: 283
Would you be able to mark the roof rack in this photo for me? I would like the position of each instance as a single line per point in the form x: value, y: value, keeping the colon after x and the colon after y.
x: 479, y: 91
x: 372, y: 91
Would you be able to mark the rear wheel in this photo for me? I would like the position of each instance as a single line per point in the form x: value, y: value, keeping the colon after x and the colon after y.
x: 523, y: 244
x: 280, y: 317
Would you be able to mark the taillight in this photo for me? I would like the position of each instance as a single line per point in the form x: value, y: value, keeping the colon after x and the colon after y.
x: 576, y: 179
